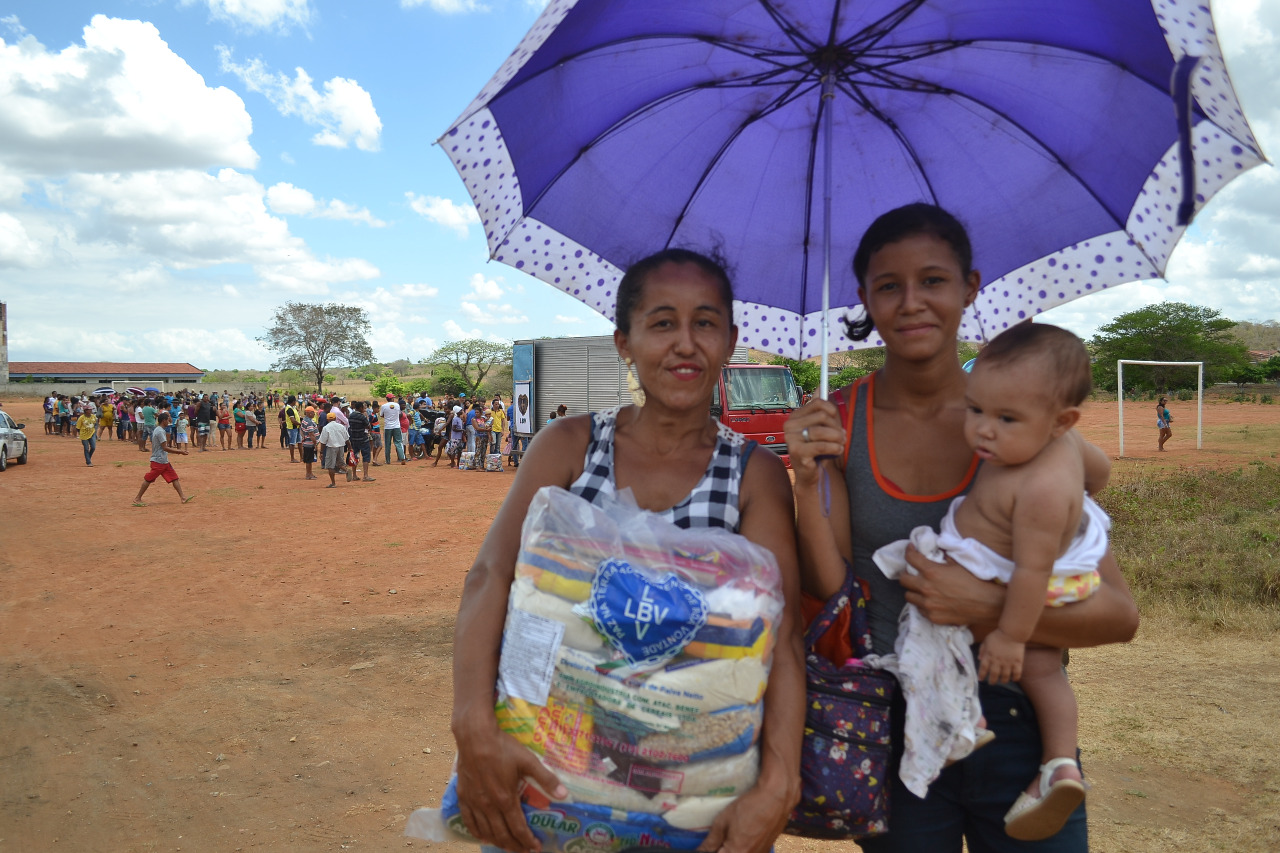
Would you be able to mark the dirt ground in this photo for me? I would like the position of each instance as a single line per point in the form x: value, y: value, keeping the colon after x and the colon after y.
x: 268, y: 667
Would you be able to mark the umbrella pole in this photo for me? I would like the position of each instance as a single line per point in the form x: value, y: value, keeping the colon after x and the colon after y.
x: 828, y: 102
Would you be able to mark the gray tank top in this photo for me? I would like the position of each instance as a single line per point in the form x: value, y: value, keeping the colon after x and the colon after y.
x: 881, y: 513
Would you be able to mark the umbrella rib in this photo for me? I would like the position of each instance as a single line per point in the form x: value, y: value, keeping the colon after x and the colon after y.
x: 808, y: 207
x: 876, y: 31
x: 777, y: 104
x: 854, y: 93
x: 1041, y: 145
x: 802, y: 43
x: 765, y: 56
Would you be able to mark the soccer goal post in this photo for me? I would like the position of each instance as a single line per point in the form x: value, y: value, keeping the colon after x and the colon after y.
x: 1199, y: 365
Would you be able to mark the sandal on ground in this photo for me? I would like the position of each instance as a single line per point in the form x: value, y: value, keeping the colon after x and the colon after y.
x: 332, y: 486
x: 369, y: 479
x: 138, y: 503
x: 188, y: 499
x: 1037, y: 818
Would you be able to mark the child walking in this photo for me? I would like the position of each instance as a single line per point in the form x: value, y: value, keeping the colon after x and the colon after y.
x: 160, y: 466
x: 1027, y: 522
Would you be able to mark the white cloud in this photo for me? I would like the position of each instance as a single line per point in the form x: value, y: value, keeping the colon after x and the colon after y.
x: 287, y: 199
x: 205, y: 347
x: 286, y: 157
x: 492, y: 313
x: 123, y: 100
x: 13, y: 25
x: 17, y: 249
x: 447, y: 7
x: 391, y: 342
x: 418, y: 291
x: 138, y: 280
x: 486, y: 289
x: 145, y: 340
x: 443, y: 211
x: 454, y: 332
x: 344, y: 112
x: 259, y: 14
x: 231, y: 290
x: 560, y: 318
x: 185, y: 219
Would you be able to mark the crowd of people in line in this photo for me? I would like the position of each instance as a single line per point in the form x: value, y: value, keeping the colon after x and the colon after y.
x: 341, y: 435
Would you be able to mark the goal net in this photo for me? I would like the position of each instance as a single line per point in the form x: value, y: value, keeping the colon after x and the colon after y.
x: 1199, y: 365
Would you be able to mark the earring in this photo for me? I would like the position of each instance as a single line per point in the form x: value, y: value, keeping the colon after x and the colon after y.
x: 633, y: 384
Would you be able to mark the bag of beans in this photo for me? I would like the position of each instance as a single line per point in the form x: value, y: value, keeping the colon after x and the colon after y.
x: 635, y: 670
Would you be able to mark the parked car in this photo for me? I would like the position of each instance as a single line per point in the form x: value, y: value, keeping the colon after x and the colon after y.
x: 13, y: 442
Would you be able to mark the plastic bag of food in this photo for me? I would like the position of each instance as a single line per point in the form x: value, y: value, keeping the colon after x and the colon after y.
x: 635, y: 666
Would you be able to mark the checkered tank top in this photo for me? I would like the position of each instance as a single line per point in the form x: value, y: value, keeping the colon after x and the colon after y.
x: 713, y: 501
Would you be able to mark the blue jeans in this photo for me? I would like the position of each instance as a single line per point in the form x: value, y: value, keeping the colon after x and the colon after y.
x: 390, y: 437
x: 970, y: 798
x: 90, y: 445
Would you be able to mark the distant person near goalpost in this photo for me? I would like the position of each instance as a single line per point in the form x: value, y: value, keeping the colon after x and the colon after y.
x: 1162, y: 423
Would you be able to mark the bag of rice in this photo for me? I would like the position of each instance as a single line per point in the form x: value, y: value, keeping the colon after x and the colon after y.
x: 637, y: 659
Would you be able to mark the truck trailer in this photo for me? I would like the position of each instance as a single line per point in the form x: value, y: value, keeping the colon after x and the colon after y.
x: 586, y: 375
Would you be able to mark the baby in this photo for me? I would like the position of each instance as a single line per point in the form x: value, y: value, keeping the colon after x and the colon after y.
x: 1026, y: 522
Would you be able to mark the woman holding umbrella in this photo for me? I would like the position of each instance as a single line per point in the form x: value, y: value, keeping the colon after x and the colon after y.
x: 906, y: 459
x: 675, y: 325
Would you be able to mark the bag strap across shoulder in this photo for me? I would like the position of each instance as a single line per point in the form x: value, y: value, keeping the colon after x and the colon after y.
x: 846, y: 400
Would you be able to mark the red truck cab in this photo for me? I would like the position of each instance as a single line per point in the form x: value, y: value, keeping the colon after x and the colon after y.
x: 755, y: 400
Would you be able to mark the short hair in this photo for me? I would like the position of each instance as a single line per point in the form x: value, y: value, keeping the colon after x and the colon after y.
x: 631, y: 287
x: 163, y: 415
x: 1060, y: 354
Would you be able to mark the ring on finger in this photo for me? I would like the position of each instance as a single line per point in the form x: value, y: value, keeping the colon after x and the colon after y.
x: 805, y: 434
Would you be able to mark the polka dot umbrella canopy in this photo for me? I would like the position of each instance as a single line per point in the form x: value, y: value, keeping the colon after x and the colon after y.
x: 1049, y: 127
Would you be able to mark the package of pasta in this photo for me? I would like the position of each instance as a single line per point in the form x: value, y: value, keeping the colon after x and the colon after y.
x: 634, y: 664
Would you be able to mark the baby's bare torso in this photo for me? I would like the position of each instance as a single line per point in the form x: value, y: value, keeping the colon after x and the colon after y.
x: 1057, y: 473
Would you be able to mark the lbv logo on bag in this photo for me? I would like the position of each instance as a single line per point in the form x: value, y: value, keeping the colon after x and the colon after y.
x: 649, y: 621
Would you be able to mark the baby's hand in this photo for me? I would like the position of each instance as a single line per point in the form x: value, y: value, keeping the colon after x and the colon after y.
x: 1000, y: 658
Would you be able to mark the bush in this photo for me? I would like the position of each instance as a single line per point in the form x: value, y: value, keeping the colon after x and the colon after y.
x: 446, y: 382
x: 1184, y: 395
x: 386, y: 384
x: 1266, y: 400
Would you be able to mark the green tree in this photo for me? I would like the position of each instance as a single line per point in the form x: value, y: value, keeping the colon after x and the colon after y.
x: 312, y: 337
x: 807, y: 373
x: 387, y: 383
x: 1271, y: 368
x: 446, y: 381
x: 1168, y: 331
x: 472, y: 359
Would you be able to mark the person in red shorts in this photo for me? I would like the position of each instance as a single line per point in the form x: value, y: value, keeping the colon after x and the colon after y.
x: 160, y: 467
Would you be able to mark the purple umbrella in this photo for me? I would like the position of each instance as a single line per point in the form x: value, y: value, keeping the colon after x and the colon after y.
x: 619, y: 128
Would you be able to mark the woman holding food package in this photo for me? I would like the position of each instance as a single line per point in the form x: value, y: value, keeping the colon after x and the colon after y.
x: 675, y: 331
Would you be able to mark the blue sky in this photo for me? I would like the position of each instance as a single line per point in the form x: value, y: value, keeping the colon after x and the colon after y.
x: 172, y: 170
